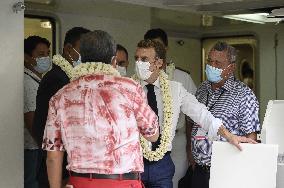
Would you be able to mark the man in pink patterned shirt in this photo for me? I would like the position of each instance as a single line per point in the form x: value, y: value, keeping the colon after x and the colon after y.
x: 97, y: 119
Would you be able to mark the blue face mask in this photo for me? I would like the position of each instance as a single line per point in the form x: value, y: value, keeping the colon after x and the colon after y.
x: 42, y: 64
x: 75, y: 63
x: 213, y: 74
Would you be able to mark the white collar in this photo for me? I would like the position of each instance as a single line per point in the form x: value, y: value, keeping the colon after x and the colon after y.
x: 156, y: 83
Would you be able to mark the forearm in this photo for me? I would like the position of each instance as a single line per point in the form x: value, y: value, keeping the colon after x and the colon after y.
x: 199, y: 113
x: 54, y: 169
x: 252, y: 136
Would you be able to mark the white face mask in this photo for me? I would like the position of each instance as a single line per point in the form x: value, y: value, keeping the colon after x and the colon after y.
x: 121, y: 70
x: 142, y: 70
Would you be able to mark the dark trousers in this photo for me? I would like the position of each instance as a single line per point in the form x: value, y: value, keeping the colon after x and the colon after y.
x: 159, y: 174
x: 42, y: 177
x: 200, y: 178
x: 31, y: 168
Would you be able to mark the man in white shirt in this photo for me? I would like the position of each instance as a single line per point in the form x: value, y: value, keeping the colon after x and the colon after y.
x: 36, y: 62
x: 174, y: 73
x: 179, y: 155
x: 168, y: 98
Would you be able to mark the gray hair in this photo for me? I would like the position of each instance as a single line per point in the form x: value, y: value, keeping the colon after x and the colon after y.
x: 231, y: 51
x: 97, y: 46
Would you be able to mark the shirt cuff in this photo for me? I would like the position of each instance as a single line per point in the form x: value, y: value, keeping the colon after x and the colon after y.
x: 213, y: 130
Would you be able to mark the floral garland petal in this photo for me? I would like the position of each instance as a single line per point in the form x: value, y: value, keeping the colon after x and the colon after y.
x: 170, y: 70
x: 63, y: 64
x: 93, y: 68
x: 167, y: 123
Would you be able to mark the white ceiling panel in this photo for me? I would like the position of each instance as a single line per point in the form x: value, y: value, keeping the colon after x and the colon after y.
x: 45, y: 2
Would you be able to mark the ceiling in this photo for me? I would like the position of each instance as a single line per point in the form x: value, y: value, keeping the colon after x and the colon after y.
x: 213, y: 7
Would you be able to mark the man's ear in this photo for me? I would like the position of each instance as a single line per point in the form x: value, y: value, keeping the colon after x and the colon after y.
x: 229, y: 70
x: 232, y: 67
x: 67, y: 47
x: 114, y: 61
x: 166, y: 48
x: 159, y: 63
x: 28, y: 59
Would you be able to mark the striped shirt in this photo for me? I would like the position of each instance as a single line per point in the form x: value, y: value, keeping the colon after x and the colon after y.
x: 235, y: 104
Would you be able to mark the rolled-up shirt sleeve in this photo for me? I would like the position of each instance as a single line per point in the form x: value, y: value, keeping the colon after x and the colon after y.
x: 199, y: 113
x: 146, y: 118
x: 52, y: 140
x: 249, y: 109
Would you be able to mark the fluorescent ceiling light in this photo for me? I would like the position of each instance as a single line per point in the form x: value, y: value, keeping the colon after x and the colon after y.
x: 45, y: 24
x: 44, y: 2
x: 254, y: 18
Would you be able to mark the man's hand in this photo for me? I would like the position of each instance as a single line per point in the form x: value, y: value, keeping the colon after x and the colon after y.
x: 236, y: 140
x: 233, y: 139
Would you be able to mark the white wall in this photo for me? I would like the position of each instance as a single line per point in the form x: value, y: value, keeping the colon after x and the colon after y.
x: 186, y: 56
x: 11, y: 100
x: 126, y: 32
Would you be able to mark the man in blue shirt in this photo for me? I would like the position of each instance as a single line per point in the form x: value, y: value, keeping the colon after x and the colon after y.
x: 227, y: 99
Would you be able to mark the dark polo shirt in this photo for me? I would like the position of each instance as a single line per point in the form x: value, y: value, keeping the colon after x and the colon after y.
x: 52, y: 81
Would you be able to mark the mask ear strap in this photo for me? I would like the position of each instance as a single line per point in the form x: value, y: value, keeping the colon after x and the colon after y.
x: 75, y: 50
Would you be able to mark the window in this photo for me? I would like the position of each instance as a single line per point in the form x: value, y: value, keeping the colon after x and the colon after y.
x: 41, y: 26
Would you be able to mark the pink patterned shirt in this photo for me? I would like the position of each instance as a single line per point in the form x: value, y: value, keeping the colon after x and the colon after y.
x: 97, y: 120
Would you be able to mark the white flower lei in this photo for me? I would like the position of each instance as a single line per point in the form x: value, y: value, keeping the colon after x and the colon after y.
x: 63, y: 64
x: 167, y: 124
x: 170, y: 70
x: 93, y: 68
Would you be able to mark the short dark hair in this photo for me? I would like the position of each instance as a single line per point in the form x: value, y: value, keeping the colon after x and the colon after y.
x: 231, y: 51
x: 97, y: 46
x: 157, y: 33
x: 31, y: 42
x: 119, y: 47
x: 158, y: 47
x: 74, y: 34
